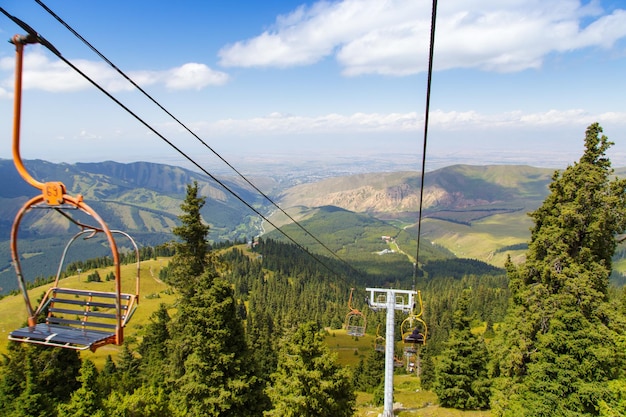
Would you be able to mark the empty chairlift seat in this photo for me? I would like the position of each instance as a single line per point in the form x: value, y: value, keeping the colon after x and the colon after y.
x: 79, y: 319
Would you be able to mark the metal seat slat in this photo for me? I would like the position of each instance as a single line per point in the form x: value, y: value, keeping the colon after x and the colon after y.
x: 85, y: 303
x: 84, y: 313
x: 63, y: 336
x: 81, y: 323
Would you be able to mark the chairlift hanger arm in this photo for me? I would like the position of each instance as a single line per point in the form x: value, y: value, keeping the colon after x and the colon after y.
x: 350, y: 302
x: 53, y: 191
x: 421, y: 304
x: 18, y: 41
x: 81, y: 225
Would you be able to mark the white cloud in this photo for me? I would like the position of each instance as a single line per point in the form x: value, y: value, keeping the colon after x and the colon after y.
x: 357, y: 123
x: 5, y: 94
x: 55, y: 76
x: 193, y: 76
x: 391, y: 37
x: 86, y: 135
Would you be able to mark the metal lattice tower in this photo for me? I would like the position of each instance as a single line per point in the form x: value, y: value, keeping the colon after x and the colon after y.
x: 392, y: 300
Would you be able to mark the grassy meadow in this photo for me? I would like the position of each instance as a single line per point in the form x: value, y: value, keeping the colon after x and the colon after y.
x: 152, y: 293
x: 409, y: 399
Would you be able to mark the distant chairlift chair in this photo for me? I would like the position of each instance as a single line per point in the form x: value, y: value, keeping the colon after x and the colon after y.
x: 414, y: 329
x: 379, y: 342
x: 356, y: 321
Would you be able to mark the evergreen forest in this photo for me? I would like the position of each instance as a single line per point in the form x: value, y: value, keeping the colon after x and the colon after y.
x: 252, y: 324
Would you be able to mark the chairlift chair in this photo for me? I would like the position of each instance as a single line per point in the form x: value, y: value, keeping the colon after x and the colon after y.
x: 379, y: 342
x: 74, y: 318
x: 355, y: 320
x: 414, y: 329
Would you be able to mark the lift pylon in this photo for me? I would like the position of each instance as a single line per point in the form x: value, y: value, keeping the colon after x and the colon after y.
x: 391, y: 300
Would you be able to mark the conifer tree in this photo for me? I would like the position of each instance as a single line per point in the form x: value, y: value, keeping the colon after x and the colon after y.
x: 190, y: 259
x: 461, y: 375
x: 145, y: 401
x: 562, y: 341
x: 210, y: 371
x: 31, y: 402
x: 262, y: 339
x: 85, y: 401
x: 427, y: 377
x: 107, y: 378
x: 153, y: 347
x: 36, y: 377
x: 308, y: 382
x: 127, y: 372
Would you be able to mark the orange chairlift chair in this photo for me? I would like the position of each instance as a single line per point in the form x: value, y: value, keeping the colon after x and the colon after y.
x: 66, y: 317
x: 355, y: 320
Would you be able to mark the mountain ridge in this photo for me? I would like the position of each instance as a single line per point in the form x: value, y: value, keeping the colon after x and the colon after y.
x: 473, y: 211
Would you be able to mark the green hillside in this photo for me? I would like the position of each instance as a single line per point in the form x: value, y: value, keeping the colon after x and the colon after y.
x: 152, y: 293
x: 365, y: 242
x: 140, y: 198
x: 477, y: 212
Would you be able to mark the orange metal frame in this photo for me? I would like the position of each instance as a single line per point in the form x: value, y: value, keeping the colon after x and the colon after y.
x: 354, y: 316
x: 53, y: 195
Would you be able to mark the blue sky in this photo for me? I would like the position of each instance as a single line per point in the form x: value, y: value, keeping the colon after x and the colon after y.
x: 515, y: 81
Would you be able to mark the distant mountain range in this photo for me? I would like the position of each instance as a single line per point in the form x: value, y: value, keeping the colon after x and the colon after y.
x: 475, y: 212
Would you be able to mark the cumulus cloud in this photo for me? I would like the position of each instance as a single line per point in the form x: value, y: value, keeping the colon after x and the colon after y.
x: 391, y: 37
x: 43, y: 73
x: 193, y: 76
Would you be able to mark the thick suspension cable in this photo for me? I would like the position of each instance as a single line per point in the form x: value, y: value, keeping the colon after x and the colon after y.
x: 425, y: 141
x: 185, y: 127
x: 52, y: 49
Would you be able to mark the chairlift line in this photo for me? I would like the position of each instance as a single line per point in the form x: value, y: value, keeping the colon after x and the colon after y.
x: 431, y: 53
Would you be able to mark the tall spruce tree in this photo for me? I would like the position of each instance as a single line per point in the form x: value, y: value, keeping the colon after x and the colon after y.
x: 308, y: 382
x: 86, y: 400
x: 153, y: 347
x: 211, y: 373
x: 461, y: 375
x: 192, y: 250
x: 561, y: 344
